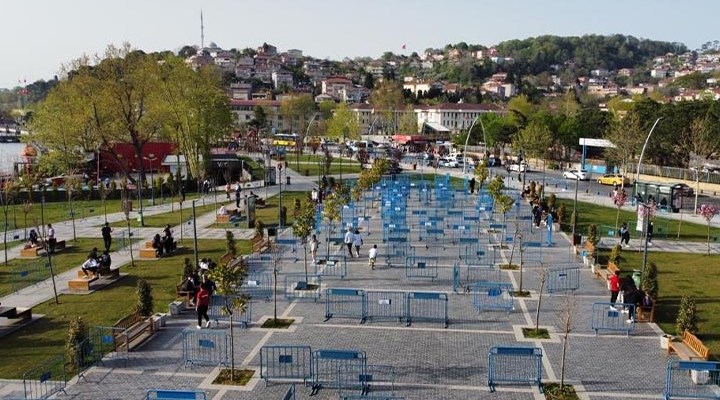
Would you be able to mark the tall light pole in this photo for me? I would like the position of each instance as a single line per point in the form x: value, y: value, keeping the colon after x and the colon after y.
x: 307, y: 132
x: 642, y: 153
x: 151, y: 158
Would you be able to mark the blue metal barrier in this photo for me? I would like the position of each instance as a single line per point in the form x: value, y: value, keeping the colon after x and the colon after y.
x: 110, y: 342
x: 85, y: 355
x: 607, y: 317
x: 285, y: 363
x: 345, y: 303
x: 333, y: 266
x: 376, y: 379
x: 259, y: 262
x: 207, y: 347
x: 325, y: 365
x: 464, y: 276
x: 427, y: 306
x: 217, y: 314
x: 531, y: 253
x: 292, y: 245
x: 258, y: 285
x: 563, y: 278
x: 493, y: 296
x: 385, y: 305
x: 396, y: 253
x: 45, y: 379
x: 167, y: 394
x: 515, y: 364
x: 297, y: 287
x: 692, y: 380
x: 421, y: 267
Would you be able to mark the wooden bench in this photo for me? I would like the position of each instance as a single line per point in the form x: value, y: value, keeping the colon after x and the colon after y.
x: 15, y: 313
x: 31, y: 252
x: 132, y: 331
x: 82, y: 282
x: 605, y: 273
x: 222, y: 219
x: 260, y: 244
x: 149, y: 252
x: 691, y: 348
x: 646, y: 313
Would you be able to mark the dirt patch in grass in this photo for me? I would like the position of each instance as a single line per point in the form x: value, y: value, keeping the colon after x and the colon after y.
x: 554, y: 392
x: 240, y: 378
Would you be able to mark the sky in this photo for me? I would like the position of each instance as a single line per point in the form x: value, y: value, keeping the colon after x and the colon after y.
x: 39, y: 36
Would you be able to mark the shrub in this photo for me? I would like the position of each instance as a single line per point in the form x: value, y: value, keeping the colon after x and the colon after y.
x: 551, y: 201
x: 144, y: 298
x: 650, y: 282
x: 260, y: 228
x: 687, y: 318
x: 592, y: 234
x: 615, y: 255
x: 188, y: 269
x: 77, y: 333
x: 561, y: 213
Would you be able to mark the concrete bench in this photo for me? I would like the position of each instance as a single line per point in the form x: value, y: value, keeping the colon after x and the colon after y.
x: 82, y: 282
x: 16, y: 313
x: 691, y: 348
x: 31, y: 252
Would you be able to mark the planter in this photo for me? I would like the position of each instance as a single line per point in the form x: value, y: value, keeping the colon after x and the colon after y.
x: 699, y: 377
x: 176, y: 307
x: 665, y: 341
x: 158, y: 321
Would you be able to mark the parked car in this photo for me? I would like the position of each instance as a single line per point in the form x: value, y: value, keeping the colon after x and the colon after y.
x: 522, y: 167
x: 494, y: 162
x: 580, y: 175
x: 614, y: 179
x: 449, y: 162
x: 684, y: 189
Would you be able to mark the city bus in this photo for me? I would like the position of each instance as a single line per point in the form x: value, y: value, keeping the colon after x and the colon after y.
x: 284, y: 140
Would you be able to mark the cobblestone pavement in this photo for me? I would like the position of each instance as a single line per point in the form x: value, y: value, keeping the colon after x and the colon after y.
x: 430, y: 361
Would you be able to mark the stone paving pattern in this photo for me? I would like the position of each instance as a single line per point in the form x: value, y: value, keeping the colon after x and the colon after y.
x: 431, y: 362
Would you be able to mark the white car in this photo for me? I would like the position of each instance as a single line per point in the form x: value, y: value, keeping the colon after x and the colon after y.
x: 449, y: 162
x: 580, y: 175
x: 522, y: 167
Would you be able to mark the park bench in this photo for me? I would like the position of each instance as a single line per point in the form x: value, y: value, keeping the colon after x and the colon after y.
x: 32, y: 252
x: 82, y: 282
x: 187, y: 295
x: 260, y: 244
x: 15, y: 313
x: 646, y: 313
x: 223, y: 219
x: 149, y: 252
x: 165, y: 394
x: 132, y: 331
x: 605, y: 273
x: 690, y: 348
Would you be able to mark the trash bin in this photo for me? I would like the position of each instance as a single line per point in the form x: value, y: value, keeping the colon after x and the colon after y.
x: 637, y: 277
x: 576, y: 239
x: 414, y: 166
x: 272, y: 231
x: 287, y: 180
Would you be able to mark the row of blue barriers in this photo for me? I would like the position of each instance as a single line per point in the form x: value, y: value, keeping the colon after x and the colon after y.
x: 377, y: 305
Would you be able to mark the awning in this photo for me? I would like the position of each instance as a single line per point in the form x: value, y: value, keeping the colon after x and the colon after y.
x: 437, y: 127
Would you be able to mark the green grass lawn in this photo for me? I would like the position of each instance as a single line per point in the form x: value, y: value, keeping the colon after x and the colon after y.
x: 347, y: 167
x: 173, y: 217
x: 604, y: 218
x: 257, y: 171
x: 681, y: 274
x: 45, y: 338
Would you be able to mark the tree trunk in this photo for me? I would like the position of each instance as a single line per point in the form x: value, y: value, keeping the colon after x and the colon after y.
x: 540, y: 297
x: 305, y: 255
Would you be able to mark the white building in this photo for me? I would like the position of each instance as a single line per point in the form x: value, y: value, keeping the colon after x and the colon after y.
x: 282, y: 78
x: 454, y: 116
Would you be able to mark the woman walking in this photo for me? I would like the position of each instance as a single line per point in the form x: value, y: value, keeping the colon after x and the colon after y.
x: 202, y: 302
x: 357, y: 242
x: 314, y: 248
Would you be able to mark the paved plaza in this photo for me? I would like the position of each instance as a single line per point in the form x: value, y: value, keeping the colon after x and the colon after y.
x: 430, y: 361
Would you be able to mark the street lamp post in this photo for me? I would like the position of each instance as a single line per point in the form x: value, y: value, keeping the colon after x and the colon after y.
x: 307, y: 132
x: 466, y: 142
x: 151, y: 158
x: 280, y: 221
x: 575, y: 217
x: 642, y: 153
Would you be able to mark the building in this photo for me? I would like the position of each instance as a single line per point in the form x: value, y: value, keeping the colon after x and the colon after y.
x: 244, y: 111
x: 240, y: 91
x: 282, y: 79
x: 334, y: 85
x: 453, y: 116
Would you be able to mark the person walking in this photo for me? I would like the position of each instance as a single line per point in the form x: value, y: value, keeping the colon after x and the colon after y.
x: 52, y: 241
x: 372, y: 256
x: 349, y: 240
x: 237, y: 196
x: 472, y: 185
x: 614, y: 286
x: 650, y: 229
x: 624, y: 234
x: 357, y: 242
x: 182, y: 194
x: 202, y: 302
x: 314, y: 248
x: 227, y: 190
x: 106, y: 232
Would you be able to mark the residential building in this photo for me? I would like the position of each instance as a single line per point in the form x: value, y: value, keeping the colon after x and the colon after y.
x: 244, y: 111
x: 332, y: 86
x: 453, y: 116
x: 240, y: 91
x: 282, y: 79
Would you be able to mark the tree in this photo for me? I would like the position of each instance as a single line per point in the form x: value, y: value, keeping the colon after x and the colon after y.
x: 408, y: 122
x: 303, y: 227
x: 481, y: 173
x: 619, y: 199
x: 331, y: 213
x: 520, y: 110
x: 650, y: 282
x: 144, y: 304
x: 76, y: 338
x: 699, y: 141
x: 542, y: 279
x: 386, y: 99
x: 297, y: 109
x: 687, y: 316
x: 565, y: 318
x: 534, y: 140
x: 627, y: 135
x: 228, y: 276
x: 708, y: 212
x: 343, y: 124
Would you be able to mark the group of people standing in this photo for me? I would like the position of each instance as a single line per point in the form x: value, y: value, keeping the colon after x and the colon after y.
x: 200, y: 289
x: 625, y: 291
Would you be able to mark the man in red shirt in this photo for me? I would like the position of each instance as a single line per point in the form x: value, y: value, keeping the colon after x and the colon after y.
x: 202, y: 302
x: 614, y: 288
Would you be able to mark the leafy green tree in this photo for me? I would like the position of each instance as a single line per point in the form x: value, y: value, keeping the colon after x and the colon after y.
x: 408, y: 122
x: 481, y: 173
x: 297, y: 109
x: 687, y: 316
x: 520, y: 110
x: 343, y: 124
x: 331, y: 214
x: 387, y: 99
x: 228, y: 276
x: 649, y: 282
x: 144, y: 304
x: 628, y: 137
x: 76, y: 336
x: 304, y: 226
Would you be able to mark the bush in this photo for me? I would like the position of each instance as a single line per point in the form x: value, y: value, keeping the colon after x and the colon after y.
x: 260, y: 228
x: 592, y: 234
x: 650, y: 282
x: 687, y: 318
x: 144, y: 298
x: 188, y: 269
x: 77, y: 333
x: 551, y: 201
x: 561, y: 213
x: 615, y: 255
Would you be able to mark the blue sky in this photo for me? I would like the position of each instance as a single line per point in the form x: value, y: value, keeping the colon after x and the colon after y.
x: 39, y: 35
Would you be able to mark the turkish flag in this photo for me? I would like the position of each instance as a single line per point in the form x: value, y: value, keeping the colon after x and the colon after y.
x: 404, y: 46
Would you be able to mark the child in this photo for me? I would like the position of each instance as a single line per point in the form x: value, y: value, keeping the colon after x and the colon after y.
x: 372, y: 255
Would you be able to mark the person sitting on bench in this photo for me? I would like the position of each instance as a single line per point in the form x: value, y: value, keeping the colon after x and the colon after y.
x: 90, y: 264
x: 223, y: 211
x: 105, y: 260
x: 170, y: 245
x: 157, y: 244
x: 33, y: 238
